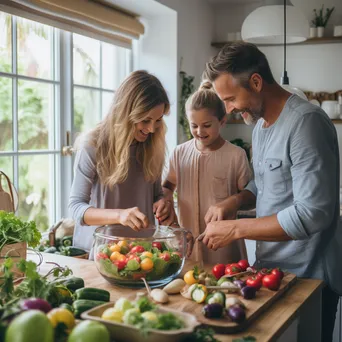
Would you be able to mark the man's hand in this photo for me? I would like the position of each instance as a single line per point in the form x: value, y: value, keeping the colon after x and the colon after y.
x: 165, y: 212
x: 219, y: 234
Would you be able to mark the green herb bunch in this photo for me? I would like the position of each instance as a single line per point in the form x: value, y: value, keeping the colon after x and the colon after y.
x: 13, y: 230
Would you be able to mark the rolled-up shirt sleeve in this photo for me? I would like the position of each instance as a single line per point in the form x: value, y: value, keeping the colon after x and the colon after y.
x: 313, y: 155
x: 252, y: 188
x: 84, y: 176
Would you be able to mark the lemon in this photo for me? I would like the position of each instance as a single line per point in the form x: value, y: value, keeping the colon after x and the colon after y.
x: 112, y: 314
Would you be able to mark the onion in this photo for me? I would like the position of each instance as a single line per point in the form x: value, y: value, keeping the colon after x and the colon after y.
x: 248, y: 292
x: 236, y: 313
x: 35, y: 304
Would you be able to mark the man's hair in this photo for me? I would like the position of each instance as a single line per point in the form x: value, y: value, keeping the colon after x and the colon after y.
x: 241, y: 60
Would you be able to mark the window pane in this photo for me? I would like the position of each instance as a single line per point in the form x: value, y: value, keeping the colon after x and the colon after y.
x: 86, y: 61
x: 35, y: 110
x: 34, y: 189
x: 114, y: 65
x: 5, y: 42
x: 35, y: 49
x: 86, y: 109
x: 106, y: 102
x: 6, y: 143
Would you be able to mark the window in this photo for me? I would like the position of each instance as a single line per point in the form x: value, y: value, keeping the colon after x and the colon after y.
x: 40, y: 100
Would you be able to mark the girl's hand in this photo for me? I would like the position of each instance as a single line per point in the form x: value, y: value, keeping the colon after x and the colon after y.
x: 134, y: 218
x: 165, y: 212
x: 225, y: 210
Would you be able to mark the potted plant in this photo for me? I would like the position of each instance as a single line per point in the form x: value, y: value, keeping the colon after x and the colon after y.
x: 186, y: 90
x: 321, y: 19
x: 15, y: 235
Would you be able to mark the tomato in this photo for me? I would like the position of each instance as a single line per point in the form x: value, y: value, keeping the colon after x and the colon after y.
x: 271, y: 281
x: 146, y: 264
x: 157, y: 245
x: 278, y: 272
x: 115, y: 256
x: 218, y: 270
x: 189, y: 278
x: 264, y: 271
x: 137, y: 249
x: 243, y: 264
x: 123, y: 243
x: 134, y: 257
x: 177, y: 253
x: 254, y: 281
x: 121, y: 264
x: 165, y: 256
x: 232, y: 269
x: 114, y: 248
x: 101, y: 255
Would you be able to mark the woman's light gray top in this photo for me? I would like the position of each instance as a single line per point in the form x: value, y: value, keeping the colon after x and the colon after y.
x: 87, y: 191
x: 297, y: 177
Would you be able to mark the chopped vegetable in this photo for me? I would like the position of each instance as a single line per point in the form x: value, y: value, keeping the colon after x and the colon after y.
x: 230, y: 301
x: 175, y: 286
x: 216, y: 297
x: 199, y: 293
x: 214, y: 310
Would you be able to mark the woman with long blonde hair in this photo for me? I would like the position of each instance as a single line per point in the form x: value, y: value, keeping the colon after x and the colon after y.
x: 119, y: 163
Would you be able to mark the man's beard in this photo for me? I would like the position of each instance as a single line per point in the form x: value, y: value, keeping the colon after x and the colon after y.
x: 252, y: 116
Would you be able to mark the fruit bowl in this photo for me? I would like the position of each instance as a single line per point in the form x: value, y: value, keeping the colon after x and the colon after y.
x: 123, y: 257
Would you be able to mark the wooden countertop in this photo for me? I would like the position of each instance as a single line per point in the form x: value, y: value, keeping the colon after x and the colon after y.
x: 268, y: 327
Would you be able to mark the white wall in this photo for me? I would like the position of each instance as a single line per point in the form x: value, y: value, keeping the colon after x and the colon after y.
x: 195, y: 34
x: 310, y: 67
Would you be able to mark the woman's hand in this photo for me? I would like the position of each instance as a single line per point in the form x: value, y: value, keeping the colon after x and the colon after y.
x: 134, y: 218
x: 165, y: 212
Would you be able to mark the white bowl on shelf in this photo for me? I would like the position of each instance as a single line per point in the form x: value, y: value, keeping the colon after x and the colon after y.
x: 331, y: 108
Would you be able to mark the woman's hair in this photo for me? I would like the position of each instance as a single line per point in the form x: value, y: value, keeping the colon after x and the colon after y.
x: 206, y: 98
x: 241, y: 60
x: 139, y: 93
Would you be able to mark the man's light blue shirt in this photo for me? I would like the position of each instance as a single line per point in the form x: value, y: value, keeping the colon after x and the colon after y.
x: 297, y: 177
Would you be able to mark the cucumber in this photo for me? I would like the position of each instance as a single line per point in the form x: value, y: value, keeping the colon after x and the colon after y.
x: 82, y: 305
x: 73, y: 283
x: 67, y: 241
x: 74, y: 251
x: 92, y: 294
x: 50, y: 250
x: 67, y: 306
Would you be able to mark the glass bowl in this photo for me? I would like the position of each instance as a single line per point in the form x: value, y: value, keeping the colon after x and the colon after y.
x: 123, y: 256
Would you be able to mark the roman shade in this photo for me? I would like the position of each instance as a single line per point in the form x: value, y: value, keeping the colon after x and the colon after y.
x: 95, y: 18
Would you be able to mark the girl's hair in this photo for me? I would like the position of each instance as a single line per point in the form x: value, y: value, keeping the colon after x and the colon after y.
x: 206, y: 98
x: 112, y: 137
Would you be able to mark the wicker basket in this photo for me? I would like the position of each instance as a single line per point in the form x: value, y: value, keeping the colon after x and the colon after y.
x: 52, y: 238
x: 15, y: 251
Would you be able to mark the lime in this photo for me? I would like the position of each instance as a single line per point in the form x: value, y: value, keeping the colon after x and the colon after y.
x: 31, y: 325
x: 89, y: 331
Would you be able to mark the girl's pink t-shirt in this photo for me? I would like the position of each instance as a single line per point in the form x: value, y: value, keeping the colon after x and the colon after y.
x: 204, y: 179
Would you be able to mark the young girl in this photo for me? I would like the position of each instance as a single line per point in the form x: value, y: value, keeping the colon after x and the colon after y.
x: 206, y: 170
x: 118, y: 165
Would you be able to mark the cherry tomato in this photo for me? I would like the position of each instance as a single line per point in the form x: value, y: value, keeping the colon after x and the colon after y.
x: 271, y: 281
x: 278, y: 272
x: 137, y: 249
x: 232, y: 269
x: 134, y: 257
x: 218, y: 270
x: 264, y: 271
x: 254, y: 281
x: 101, y: 255
x: 146, y: 264
x: 157, y: 245
x: 165, y: 256
x: 121, y: 264
x: 243, y: 264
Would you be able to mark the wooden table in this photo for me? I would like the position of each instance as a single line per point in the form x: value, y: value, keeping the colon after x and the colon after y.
x: 302, y: 301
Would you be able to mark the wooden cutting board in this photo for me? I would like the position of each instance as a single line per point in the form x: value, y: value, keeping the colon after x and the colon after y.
x: 255, y: 307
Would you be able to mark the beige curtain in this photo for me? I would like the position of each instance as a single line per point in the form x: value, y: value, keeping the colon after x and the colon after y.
x: 95, y: 18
